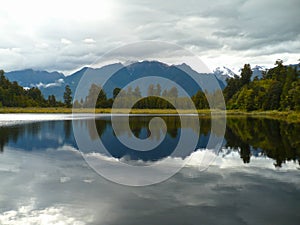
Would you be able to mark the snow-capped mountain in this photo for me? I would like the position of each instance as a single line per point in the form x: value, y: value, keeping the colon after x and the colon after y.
x: 236, y: 70
x: 223, y: 73
x: 257, y: 71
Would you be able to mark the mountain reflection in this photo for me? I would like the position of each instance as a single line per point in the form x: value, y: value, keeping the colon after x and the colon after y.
x: 250, y: 137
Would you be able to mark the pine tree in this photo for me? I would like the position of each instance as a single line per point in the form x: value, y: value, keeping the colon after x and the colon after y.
x: 285, y: 98
x: 200, y: 100
x: 52, y: 101
x: 68, y: 96
x: 91, y: 99
x: 173, y: 92
x: 157, y: 90
x: 101, y: 99
x: 137, y: 92
x: 129, y: 91
x: 246, y: 75
x: 150, y: 91
x: 116, y: 91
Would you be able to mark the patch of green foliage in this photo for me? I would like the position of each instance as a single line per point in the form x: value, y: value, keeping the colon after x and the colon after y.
x: 279, y: 89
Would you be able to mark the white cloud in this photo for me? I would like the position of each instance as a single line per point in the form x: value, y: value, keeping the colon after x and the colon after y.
x: 65, y: 41
x: 57, y: 83
x: 237, y: 31
x: 47, y: 216
x: 89, y: 41
x: 32, y: 192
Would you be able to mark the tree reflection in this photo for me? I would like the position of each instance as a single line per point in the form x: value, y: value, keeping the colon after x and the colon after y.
x: 276, y: 139
x: 100, y: 124
x: 272, y: 138
x: 68, y: 128
x: 12, y: 133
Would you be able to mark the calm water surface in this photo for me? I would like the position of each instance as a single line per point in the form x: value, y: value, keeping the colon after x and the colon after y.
x: 255, y: 178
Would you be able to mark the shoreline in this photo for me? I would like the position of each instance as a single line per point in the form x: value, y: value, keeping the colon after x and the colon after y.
x: 289, y: 116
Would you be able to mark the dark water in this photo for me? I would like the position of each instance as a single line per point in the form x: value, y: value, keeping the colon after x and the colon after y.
x: 253, y: 180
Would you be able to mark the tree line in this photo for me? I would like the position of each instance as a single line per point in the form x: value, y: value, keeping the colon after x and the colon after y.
x: 278, y: 89
x: 156, y: 99
x: 14, y: 95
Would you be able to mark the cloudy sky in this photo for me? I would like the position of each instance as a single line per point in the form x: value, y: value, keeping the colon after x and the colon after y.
x: 66, y: 35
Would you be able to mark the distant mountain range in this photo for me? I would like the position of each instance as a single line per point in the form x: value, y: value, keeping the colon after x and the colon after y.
x: 54, y: 82
x: 223, y: 73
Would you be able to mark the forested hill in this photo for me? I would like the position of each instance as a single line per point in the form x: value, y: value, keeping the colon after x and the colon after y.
x: 14, y: 95
x: 279, y: 89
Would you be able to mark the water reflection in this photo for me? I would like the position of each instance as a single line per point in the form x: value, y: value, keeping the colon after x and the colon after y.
x: 43, y: 177
x: 37, y: 135
x: 249, y: 137
x: 275, y: 139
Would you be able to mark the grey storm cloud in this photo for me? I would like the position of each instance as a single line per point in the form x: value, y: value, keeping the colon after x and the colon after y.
x: 75, y: 34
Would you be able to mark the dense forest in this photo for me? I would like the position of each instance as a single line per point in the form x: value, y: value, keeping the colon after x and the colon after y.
x: 14, y: 95
x: 278, y: 89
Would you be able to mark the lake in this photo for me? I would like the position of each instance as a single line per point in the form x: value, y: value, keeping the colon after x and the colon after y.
x: 45, y: 179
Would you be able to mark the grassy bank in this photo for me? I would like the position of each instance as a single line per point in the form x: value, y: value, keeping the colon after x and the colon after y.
x: 290, y: 116
x: 70, y: 110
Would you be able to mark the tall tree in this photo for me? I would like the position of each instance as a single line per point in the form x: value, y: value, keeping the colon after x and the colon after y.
x: 101, y: 99
x: 129, y: 91
x: 272, y: 100
x: 233, y: 86
x: 173, y: 92
x: 91, y: 99
x: 150, y: 91
x: 35, y: 94
x: 68, y: 96
x: 164, y: 93
x: 157, y: 90
x: 200, y: 100
x: 285, y: 99
x: 52, y: 101
x: 137, y: 92
x: 246, y: 75
x: 116, y: 91
x: 279, y: 62
x: 294, y: 95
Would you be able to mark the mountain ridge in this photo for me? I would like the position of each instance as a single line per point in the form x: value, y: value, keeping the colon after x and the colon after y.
x: 55, y: 82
